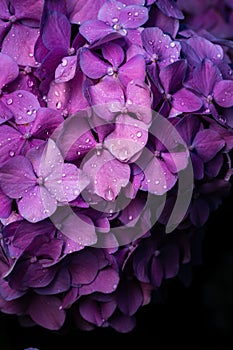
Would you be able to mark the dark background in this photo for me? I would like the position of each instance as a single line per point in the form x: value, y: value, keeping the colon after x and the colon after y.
x: 199, y: 314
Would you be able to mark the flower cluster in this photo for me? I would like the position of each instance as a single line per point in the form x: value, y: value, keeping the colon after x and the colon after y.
x: 115, y: 129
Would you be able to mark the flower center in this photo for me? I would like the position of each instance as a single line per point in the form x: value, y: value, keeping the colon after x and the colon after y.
x: 12, y: 19
x: 209, y: 98
x: 40, y: 181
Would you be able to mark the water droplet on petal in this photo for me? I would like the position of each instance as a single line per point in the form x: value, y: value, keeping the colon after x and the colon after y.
x: 20, y: 95
x: 136, y: 14
x: 157, y: 182
x: 11, y: 153
x: 130, y: 217
x: 9, y: 101
x: 115, y: 20
x: 139, y: 134
x: 30, y: 83
x: 109, y: 194
x: 172, y: 44
x: 58, y: 105
x: 64, y: 62
x: 30, y: 54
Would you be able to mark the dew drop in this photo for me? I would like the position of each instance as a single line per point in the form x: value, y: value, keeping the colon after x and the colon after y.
x: 109, y: 194
x: 165, y: 187
x: 64, y: 62
x: 172, y: 44
x: 157, y: 182
x: 20, y: 95
x: 9, y: 101
x: 30, y: 54
x: 87, y: 140
x: 139, y: 134
x: 58, y: 105
x: 130, y: 217
x: 151, y: 42
x: 115, y: 20
x: 136, y: 14
x: 29, y: 112
x: 56, y: 93
x: 30, y: 83
x: 11, y: 153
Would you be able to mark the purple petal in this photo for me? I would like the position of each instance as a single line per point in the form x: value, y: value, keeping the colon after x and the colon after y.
x: 26, y: 232
x: 68, y: 98
x: 66, y: 70
x: 207, y: 144
x: 83, y: 10
x: 173, y: 75
x: 110, y: 10
x: 205, y: 77
x: 205, y: 49
x: 92, y: 65
x: 68, y: 222
x: 169, y: 8
x: 223, y: 93
x: 4, y: 28
x: 5, y: 205
x: 157, y: 43
x: 37, y: 204
x: 47, y: 312
x: 198, y: 166
x: 96, y: 313
x: 56, y: 31
x: 199, y: 212
x: 60, y: 284
x: 128, y: 138
x: 28, y: 9
x: 19, y: 44
x: 83, y: 267
x: 4, y: 10
x: 17, y: 176
x: 186, y: 101
x: 139, y: 101
x: 105, y: 282
x: 188, y: 128
x: 46, y: 122
x: 166, y: 24
x: 122, y: 323
x: 170, y: 261
x: 213, y: 167
x: 158, y: 178
x: 75, y: 142
x: 132, y: 70
x: 106, y: 97
x: 10, y: 71
x: 133, y: 16
x: 129, y: 297
x: 157, y: 273
x: 5, y: 113
x: 11, y: 142
x: 107, y: 175
x: 113, y: 53
x: 23, y: 105
x: 95, y: 30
